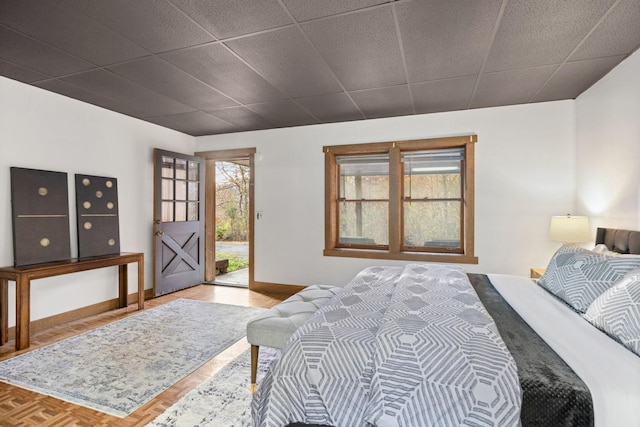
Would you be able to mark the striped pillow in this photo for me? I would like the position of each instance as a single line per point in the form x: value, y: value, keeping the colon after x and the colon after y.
x: 617, y: 311
x: 578, y: 276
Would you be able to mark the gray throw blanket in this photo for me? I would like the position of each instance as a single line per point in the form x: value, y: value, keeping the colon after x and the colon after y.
x: 399, y: 346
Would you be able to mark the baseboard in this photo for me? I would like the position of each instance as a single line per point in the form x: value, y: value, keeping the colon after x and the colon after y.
x: 275, y: 288
x: 77, y: 314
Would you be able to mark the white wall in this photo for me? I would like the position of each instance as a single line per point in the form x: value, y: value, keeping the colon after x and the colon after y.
x: 608, y: 148
x: 43, y: 130
x: 524, y: 174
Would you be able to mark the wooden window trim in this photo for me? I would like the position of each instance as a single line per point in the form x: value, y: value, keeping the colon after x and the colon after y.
x: 396, y: 250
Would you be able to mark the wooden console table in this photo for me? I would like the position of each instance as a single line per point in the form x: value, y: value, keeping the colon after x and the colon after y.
x: 23, y: 276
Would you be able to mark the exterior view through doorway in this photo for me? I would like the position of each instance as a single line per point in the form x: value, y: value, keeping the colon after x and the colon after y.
x: 232, y: 222
x: 229, y: 217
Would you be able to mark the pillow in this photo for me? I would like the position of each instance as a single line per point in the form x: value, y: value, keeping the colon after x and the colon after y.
x: 601, y: 249
x: 617, y: 311
x: 578, y: 276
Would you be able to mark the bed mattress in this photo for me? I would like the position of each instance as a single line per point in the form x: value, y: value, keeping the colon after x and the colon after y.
x: 610, y: 371
x: 552, y: 394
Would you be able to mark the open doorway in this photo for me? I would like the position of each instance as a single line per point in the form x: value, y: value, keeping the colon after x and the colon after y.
x: 229, y: 216
x: 232, y: 222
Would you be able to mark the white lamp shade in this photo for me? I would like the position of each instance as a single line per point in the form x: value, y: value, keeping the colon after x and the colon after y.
x: 569, y: 229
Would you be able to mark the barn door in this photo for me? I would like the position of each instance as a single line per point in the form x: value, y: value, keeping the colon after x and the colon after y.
x: 178, y: 221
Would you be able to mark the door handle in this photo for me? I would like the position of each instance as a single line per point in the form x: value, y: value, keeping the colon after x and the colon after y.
x: 159, y: 233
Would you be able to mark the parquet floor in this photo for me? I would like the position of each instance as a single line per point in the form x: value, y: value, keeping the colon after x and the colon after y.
x: 19, y: 407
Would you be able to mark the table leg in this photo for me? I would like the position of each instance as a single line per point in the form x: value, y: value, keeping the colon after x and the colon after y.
x: 123, y: 285
x: 141, y: 282
x: 23, y: 312
x: 4, y: 308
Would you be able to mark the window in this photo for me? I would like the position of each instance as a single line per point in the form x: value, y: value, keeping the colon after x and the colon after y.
x: 180, y: 190
x: 407, y: 200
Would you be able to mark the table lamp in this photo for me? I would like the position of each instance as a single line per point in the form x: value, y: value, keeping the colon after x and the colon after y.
x: 569, y: 229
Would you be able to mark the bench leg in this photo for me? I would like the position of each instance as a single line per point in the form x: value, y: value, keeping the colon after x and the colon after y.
x: 254, y: 366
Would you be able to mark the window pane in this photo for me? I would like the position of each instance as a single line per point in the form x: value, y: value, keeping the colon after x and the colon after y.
x: 433, y: 174
x: 167, y: 167
x: 181, y: 212
x: 364, y: 177
x: 181, y: 190
x: 167, y: 189
x: 181, y: 169
x: 364, y: 187
x: 192, y: 211
x: 433, y: 185
x: 364, y: 223
x: 167, y: 212
x: 432, y: 224
x: 193, y: 191
x: 193, y: 171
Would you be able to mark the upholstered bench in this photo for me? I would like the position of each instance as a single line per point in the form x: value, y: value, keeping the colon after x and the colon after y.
x: 274, y: 327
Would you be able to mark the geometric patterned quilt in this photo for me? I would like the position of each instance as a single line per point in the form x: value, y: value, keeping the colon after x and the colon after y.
x: 399, y: 346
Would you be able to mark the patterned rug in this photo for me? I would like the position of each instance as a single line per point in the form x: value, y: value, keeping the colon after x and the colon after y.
x: 119, y: 367
x: 223, y: 401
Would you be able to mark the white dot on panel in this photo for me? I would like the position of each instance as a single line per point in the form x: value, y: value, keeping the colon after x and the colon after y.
x: 44, y: 242
x: 111, y: 242
x: 109, y: 205
x: 86, y: 205
x: 86, y: 182
x: 88, y: 225
x: 43, y: 191
x: 109, y: 184
x: 99, y: 194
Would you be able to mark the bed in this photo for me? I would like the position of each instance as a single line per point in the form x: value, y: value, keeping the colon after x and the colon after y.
x: 364, y: 358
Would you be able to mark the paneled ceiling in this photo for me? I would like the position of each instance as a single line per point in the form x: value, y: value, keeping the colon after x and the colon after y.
x: 218, y: 66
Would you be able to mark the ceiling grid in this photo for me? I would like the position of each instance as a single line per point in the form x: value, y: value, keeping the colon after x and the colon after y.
x: 207, y: 67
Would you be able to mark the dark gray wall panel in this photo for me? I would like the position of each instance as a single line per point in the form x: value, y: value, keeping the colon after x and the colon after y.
x: 40, y: 212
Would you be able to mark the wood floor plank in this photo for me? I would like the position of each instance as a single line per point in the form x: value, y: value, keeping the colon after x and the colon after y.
x: 19, y: 407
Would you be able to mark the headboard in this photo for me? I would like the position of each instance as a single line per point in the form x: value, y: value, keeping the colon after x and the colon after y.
x: 622, y: 241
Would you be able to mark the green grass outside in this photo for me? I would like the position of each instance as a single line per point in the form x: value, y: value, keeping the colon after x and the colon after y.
x: 235, y: 262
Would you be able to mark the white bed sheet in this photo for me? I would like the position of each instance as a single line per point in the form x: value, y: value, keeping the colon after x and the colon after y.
x: 611, y: 372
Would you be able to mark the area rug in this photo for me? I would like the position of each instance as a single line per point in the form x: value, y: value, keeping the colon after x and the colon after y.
x: 119, y: 367
x: 222, y: 401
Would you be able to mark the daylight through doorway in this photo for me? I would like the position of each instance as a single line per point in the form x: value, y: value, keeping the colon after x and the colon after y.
x: 232, y: 213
